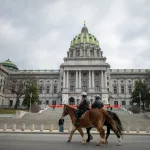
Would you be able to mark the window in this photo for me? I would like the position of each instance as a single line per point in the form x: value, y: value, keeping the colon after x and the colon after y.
x: 115, y: 102
x: 97, y: 74
x: 108, y: 89
x: 61, y: 78
x: 84, y: 88
x: 107, y: 78
x: 61, y: 83
x: 40, y: 102
x: 129, y: 89
x: 122, y: 89
x: 115, y: 89
x: 47, y: 102
x: 72, y: 88
x: 41, y: 89
x: 72, y: 74
x: 55, y: 89
x: 84, y: 74
x: 48, y: 89
x: 107, y: 83
x: 10, y: 103
x: 98, y: 53
x: 91, y: 52
x: 77, y: 53
x: 97, y: 88
x: 121, y: 81
x: 123, y: 102
x: 114, y: 81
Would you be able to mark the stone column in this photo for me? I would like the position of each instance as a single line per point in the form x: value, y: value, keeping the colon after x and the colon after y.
x: 67, y: 80
x: 79, y: 78
x: 105, y: 76
x: 102, y: 79
x: 93, y: 79
x: 89, y: 78
x: 64, y: 79
x: 76, y: 79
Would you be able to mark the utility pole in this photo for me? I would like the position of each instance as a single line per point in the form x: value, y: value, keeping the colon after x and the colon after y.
x: 30, y: 101
x: 140, y: 101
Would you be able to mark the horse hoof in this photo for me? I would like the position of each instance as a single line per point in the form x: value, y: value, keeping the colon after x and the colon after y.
x: 118, y: 144
x: 87, y: 140
x: 106, y: 142
x: 98, y: 144
x: 68, y: 141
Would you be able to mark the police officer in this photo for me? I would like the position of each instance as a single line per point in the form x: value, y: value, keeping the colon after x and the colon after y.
x: 83, y: 106
x: 97, y: 103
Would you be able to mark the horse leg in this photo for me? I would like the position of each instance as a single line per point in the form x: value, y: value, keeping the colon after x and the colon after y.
x: 89, y: 135
x: 71, y: 134
x: 82, y: 135
x: 119, y: 139
x: 108, y: 133
x: 102, y: 135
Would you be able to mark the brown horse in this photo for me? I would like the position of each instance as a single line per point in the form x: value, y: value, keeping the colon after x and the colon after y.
x: 91, y: 118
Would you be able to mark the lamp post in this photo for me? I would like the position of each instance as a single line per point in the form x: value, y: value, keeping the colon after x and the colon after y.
x: 140, y: 101
x: 30, y: 101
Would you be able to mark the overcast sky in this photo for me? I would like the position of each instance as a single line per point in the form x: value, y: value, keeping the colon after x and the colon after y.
x: 36, y: 34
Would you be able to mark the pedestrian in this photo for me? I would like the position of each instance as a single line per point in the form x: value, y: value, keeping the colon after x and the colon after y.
x: 61, y: 124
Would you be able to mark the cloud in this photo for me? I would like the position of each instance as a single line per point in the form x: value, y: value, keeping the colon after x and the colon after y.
x: 37, y: 34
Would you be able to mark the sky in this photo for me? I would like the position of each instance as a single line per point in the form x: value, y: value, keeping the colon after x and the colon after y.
x: 36, y: 34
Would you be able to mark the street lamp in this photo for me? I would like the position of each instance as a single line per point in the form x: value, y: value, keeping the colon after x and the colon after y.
x: 30, y: 101
x: 140, y: 101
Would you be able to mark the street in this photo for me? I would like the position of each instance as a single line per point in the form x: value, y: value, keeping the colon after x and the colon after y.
x: 58, y: 141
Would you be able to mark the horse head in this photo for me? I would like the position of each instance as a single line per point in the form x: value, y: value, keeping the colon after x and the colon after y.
x: 65, y: 111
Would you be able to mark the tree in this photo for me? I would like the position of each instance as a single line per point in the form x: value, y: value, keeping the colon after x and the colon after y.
x: 17, y: 87
x: 140, y: 89
x: 31, y: 88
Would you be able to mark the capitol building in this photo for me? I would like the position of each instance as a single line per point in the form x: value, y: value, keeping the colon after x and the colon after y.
x: 84, y: 69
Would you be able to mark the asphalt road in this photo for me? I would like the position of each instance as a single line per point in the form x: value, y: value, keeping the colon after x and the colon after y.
x: 58, y: 142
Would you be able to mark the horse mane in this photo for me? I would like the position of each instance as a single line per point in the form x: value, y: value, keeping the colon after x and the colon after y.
x: 71, y: 107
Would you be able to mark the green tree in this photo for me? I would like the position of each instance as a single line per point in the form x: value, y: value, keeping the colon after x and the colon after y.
x: 140, y: 88
x: 31, y: 88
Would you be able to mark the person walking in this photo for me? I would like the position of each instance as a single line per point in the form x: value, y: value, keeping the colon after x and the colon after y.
x: 61, y: 124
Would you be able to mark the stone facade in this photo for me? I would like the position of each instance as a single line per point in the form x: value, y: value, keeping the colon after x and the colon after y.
x: 84, y: 70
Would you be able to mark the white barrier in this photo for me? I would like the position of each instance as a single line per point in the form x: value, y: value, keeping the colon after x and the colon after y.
x: 32, y: 128
x: 14, y: 127
x: 23, y: 127
x: 128, y: 129
x: 5, y: 127
x: 51, y: 128
x: 70, y: 127
x: 41, y: 127
x: 137, y: 129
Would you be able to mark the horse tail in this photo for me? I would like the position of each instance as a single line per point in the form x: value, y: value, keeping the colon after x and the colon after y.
x: 109, y: 120
x: 119, y: 123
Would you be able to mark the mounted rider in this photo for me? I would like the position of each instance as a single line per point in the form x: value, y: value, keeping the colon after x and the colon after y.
x: 83, y: 107
x: 97, y: 103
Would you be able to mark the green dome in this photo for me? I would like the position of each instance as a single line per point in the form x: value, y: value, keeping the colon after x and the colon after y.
x: 9, y: 65
x: 84, y: 37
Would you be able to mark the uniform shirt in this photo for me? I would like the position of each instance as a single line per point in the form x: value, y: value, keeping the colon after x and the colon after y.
x: 97, y: 104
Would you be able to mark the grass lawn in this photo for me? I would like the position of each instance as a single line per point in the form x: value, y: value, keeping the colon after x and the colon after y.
x: 7, y: 111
